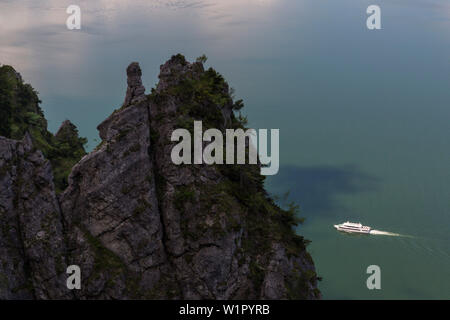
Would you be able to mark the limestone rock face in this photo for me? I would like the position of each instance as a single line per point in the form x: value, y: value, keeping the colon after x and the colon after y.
x: 209, y: 239
x: 112, y: 214
x: 32, y: 247
x: 139, y: 226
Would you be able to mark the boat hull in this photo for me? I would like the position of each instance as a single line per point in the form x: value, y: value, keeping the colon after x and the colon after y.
x: 339, y: 228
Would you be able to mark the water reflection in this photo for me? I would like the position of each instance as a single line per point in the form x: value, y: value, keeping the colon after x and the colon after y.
x: 33, y: 35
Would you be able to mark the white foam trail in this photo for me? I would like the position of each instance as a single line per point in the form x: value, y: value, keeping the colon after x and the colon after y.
x: 386, y: 233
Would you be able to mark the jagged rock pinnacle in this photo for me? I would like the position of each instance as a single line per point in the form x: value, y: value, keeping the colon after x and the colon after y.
x: 135, y: 90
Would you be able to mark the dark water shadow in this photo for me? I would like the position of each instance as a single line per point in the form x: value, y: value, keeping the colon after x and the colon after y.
x: 315, y: 188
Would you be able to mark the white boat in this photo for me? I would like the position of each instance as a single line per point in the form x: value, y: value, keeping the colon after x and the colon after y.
x: 352, y: 227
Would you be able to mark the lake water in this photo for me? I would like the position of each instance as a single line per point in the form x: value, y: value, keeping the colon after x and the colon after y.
x: 364, y: 116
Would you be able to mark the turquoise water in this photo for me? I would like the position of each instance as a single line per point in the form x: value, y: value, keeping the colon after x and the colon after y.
x: 364, y: 116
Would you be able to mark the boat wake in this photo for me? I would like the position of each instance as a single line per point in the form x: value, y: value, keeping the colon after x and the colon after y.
x: 386, y: 233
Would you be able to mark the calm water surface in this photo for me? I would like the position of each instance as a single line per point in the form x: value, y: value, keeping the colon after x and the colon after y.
x: 364, y: 116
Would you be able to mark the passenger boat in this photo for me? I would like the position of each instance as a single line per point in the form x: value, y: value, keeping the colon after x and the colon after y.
x: 352, y: 227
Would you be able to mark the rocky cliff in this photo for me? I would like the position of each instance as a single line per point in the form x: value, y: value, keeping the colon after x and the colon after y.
x: 139, y: 226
